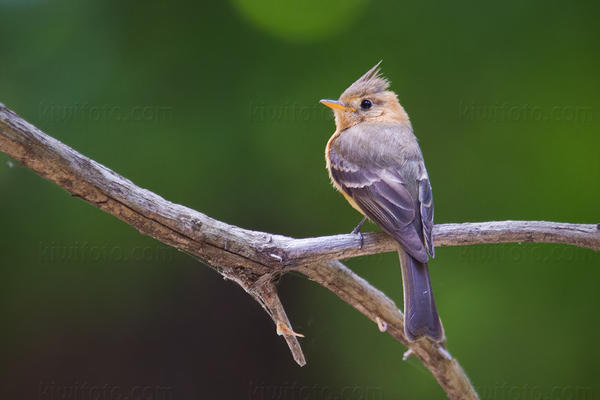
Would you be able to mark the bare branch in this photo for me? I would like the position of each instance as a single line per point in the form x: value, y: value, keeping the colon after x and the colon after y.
x: 268, y: 293
x: 262, y: 289
x: 371, y: 302
x: 253, y: 258
x: 306, y: 251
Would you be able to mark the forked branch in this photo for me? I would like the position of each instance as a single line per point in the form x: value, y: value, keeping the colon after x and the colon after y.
x: 253, y: 259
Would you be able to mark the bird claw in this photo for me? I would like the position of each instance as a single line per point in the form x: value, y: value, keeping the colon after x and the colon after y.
x: 360, y: 238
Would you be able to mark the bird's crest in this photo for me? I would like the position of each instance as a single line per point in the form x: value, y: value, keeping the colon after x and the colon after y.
x: 371, y: 82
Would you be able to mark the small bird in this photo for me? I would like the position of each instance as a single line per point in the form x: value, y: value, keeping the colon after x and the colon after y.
x: 374, y: 160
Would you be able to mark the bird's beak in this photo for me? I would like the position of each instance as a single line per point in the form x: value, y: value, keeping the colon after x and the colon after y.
x: 334, y: 104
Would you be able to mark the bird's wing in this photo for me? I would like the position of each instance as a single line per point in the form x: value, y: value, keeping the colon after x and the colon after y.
x: 382, y: 194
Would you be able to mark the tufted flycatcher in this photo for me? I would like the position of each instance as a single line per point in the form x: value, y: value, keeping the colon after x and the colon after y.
x: 374, y: 160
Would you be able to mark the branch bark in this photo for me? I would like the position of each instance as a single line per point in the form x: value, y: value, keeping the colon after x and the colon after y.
x: 253, y: 259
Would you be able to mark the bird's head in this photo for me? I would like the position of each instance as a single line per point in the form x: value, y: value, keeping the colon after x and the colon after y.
x: 367, y: 100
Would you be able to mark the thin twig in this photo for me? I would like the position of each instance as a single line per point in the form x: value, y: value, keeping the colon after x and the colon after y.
x: 253, y: 258
x: 268, y: 294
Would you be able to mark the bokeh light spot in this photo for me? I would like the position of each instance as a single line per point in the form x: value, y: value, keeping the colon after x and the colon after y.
x: 301, y: 21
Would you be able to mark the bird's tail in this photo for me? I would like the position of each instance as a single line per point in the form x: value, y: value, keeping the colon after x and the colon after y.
x: 420, y: 313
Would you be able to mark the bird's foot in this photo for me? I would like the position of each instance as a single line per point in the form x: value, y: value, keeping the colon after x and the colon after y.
x: 359, y: 226
x: 361, y: 239
x: 356, y: 231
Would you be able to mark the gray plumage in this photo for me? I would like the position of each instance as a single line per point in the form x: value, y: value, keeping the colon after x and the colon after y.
x: 380, y: 167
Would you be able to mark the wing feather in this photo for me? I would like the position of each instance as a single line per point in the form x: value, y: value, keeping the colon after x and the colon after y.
x: 426, y: 204
x: 383, y: 196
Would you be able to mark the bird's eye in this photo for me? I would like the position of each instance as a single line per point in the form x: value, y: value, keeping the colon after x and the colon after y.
x: 366, y: 104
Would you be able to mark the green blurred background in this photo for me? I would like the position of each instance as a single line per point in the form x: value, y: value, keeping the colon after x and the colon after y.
x: 214, y: 105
